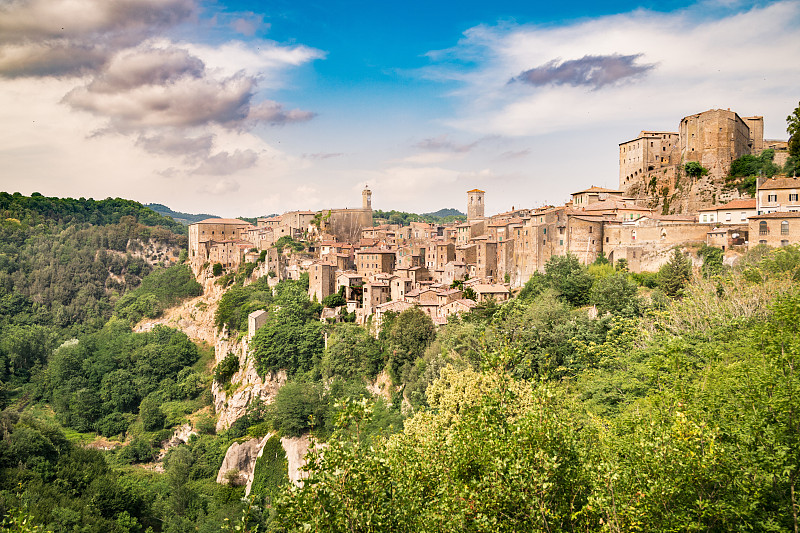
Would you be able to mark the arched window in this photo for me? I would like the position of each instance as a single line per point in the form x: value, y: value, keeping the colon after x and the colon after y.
x: 762, y: 228
x: 785, y: 227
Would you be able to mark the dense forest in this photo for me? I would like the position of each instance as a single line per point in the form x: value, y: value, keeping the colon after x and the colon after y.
x: 594, y: 400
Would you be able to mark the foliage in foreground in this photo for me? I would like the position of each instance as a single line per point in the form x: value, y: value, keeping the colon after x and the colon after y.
x: 713, y: 447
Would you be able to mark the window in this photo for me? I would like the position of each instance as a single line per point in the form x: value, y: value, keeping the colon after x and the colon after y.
x: 793, y: 197
x: 727, y: 217
x: 606, y: 239
x: 785, y: 227
x: 561, y: 242
x: 544, y: 231
x: 772, y: 198
x: 590, y: 229
x: 762, y: 228
x: 743, y: 216
x: 784, y: 242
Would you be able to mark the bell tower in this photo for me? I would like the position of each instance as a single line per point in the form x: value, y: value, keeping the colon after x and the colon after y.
x: 475, y: 204
x: 366, y: 198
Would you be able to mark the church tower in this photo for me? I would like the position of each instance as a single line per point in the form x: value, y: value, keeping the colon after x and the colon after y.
x: 475, y: 204
x: 366, y: 198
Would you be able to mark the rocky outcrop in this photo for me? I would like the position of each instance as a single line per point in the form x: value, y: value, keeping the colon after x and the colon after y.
x: 181, y: 435
x: 240, y: 462
x: 195, y: 317
x: 231, y: 400
x: 296, y: 449
x: 239, y: 465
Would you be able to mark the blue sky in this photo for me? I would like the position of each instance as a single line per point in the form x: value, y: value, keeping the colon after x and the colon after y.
x: 248, y: 108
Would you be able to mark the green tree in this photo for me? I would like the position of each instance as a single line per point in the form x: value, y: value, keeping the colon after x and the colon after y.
x: 675, y: 274
x: 152, y: 416
x: 409, y: 334
x: 351, y: 353
x: 291, y: 339
x: 695, y: 169
x: 569, y: 278
x: 616, y: 294
x: 334, y: 300
x: 712, y: 260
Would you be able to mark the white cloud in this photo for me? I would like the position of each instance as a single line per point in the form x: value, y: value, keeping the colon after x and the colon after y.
x: 697, y: 64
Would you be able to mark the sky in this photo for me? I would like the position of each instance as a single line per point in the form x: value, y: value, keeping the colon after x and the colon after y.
x: 246, y: 108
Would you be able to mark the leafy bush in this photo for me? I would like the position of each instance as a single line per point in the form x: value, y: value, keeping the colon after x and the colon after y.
x: 298, y: 407
x: 352, y: 352
x: 153, y: 417
x: 712, y: 260
x: 675, y: 274
x: 695, y: 169
x: 270, y: 474
x: 159, y: 290
x: 334, y: 300
x: 615, y: 294
x: 216, y: 269
x: 226, y: 368
x: 569, y: 278
x: 291, y: 338
x: 407, y: 337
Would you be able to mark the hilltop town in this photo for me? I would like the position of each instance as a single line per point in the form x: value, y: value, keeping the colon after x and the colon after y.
x: 446, y: 269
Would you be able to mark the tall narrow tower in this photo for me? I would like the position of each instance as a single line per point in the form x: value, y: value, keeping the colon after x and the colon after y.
x: 475, y: 204
x: 366, y: 198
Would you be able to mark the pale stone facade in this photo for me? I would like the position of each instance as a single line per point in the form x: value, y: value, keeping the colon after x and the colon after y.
x: 475, y: 204
x: 775, y: 229
x: 778, y: 194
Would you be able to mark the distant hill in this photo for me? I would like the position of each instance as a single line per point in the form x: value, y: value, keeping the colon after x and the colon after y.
x: 183, y: 218
x: 441, y: 213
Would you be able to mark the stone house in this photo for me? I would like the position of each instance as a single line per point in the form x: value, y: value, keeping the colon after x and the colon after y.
x: 375, y: 260
x: 734, y: 212
x: 775, y: 229
x: 779, y: 194
x: 485, y: 291
x: 593, y: 195
x: 321, y: 280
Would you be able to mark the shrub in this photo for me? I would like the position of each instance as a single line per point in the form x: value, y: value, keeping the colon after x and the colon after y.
x: 226, y: 368
x: 153, y: 417
x: 216, y: 270
x: 298, y: 407
x: 271, y: 472
x: 675, y: 274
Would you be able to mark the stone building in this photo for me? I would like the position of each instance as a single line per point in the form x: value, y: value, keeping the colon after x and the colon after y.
x: 775, y: 229
x: 221, y: 240
x: 778, y: 194
x: 371, y: 261
x: 475, y: 205
x: 651, y: 166
x: 716, y: 137
x: 734, y: 212
x: 321, y: 280
x: 346, y: 224
x: 648, y: 152
x: 593, y: 195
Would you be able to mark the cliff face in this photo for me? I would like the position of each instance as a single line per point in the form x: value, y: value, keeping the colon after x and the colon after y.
x: 231, y: 400
x: 239, y: 465
x: 672, y: 192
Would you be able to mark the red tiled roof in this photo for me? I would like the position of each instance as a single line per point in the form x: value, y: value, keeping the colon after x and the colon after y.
x: 780, y: 183
x: 741, y: 203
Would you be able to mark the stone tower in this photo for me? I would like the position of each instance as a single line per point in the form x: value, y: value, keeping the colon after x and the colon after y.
x: 475, y: 204
x: 366, y: 198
